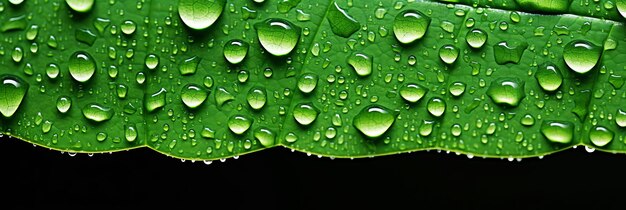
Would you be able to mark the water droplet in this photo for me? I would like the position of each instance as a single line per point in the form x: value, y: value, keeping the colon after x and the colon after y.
x: 581, y: 56
x: 235, y: 50
x: 277, y: 36
x: 549, y: 76
x: 257, y: 97
x: 426, y: 128
x: 305, y: 113
x: 128, y: 27
x: 448, y: 54
x: 374, y: 120
x: 457, y: 88
x: 152, y: 61
x: 307, y: 82
x: 193, y: 95
x: 14, y: 23
x: 64, y: 104
x: 505, y: 53
x: 413, y: 92
x: 621, y: 7
x: 476, y: 38
x: 17, y: 54
x: 52, y: 70
x: 222, y: 96
x: 200, y: 14
x: 410, y: 25
x: 527, y: 120
x: 600, y: 136
x: 80, y: 5
x: 436, y: 106
x: 515, y: 17
x: 361, y: 63
x: 32, y: 32
x: 239, y: 124
x: 155, y: 100
x: 130, y: 133
x: 101, y: 136
x: 189, y: 66
x: 12, y: 92
x: 558, y: 131
x: 620, y: 118
x: 97, y: 113
x: 285, y: 5
x: 507, y: 91
x: 341, y: 24
x: 265, y: 136
x: 82, y: 66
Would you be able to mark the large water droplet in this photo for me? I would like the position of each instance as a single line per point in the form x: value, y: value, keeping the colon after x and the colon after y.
x: 549, y: 76
x: 82, y: 66
x: 448, y: 53
x: 155, y: 100
x: 239, y: 124
x: 193, y: 95
x: 361, y: 63
x: 410, y: 25
x: 620, y: 118
x: 621, y: 7
x: 413, y: 92
x: 200, y: 14
x: 265, y: 136
x: 373, y: 121
x: 277, y: 36
x: 80, y: 5
x: 256, y: 97
x: 507, y: 91
x: 341, y: 23
x: 558, y: 131
x: 307, y: 82
x: 581, y: 56
x: 97, y: 113
x: 600, y: 136
x: 64, y: 104
x: 305, y: 113
x: 476, y: 38
x: 436, y: 106
x: 457, y: 88
x: 189, y: 66
x: 505, y: 53
x: 236, y: 50
x: 12, y: 92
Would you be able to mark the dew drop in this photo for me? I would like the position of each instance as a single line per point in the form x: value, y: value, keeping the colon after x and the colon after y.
x: 64, y: 104
x: 549, y: 76
x: 361, y: 63
x: 476, y: 38
x: 156, y: 100
x: 581, y: 56
x: 307, y: 82
x: 448, y: 54
x: 413, y: 92
x: 80, y: 5
x: 265, y: 136
x: 410, y: 25
x: 507, y: 91
x: 305, y: 113
x: 278, y: 36
x: 436, y: 106
x: 97, y: 113
x: 558, y: 131
x: 239, y: 124
x: 600, y: 136
x: 82, y: 66
x: 200, y: 14
x: 12, y: 92
x: 235, y: 51
x: 256, y: 97
x: 193, y: 95
x: 373, y: 121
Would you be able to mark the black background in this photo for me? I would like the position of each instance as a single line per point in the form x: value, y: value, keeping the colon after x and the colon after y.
x: 280, y: 179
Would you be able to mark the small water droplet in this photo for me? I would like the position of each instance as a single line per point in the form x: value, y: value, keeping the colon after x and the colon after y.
x: 307, y: 82
x: 152, y: 61
x: 476, y: 38
x: 265, y: 136
x: 156, y: 100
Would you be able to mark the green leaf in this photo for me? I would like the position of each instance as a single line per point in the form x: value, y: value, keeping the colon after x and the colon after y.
x: 212, y: 79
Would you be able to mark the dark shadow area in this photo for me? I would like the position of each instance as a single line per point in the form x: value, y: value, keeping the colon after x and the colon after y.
x: 279, y: 179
